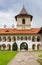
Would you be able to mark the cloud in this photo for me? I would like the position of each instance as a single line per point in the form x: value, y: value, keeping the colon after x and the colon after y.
x: 10, y: 8
x: 7, y: 18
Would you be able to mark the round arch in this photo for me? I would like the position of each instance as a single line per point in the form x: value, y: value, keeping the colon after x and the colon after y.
x: 9, y: 46
x: 3, y: 46
x: 38, y: 38
x: 33, y: 46
x: 13, y: 38
x: 33, y: 38
x: 9, y: 39
x: 24, y: 46
x: 4, y: 39
x: 38, y: 47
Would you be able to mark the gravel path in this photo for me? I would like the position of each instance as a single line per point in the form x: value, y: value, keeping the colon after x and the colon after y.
x: 24, y: 58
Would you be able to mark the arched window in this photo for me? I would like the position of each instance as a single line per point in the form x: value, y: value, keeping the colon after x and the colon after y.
x: 4, y: 39
x: 33, y: 46
x: 38, y: 38
x: 33, y: 38
x: 13, y: 38
x: 4, y: 46
x: 9, y: 39
x: 8, y: 46
x: 18, y: 38
x: 38, y: 47
x: 25, y: 37
x: 21, y: 38
x: 23, y: 21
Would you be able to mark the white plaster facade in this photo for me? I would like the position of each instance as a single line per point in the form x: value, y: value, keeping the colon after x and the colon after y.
x: 19, y: 42
x: 27, y: 24
x: 33, y: 41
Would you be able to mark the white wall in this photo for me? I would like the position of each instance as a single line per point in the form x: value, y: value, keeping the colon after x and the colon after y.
x: 27, y: 24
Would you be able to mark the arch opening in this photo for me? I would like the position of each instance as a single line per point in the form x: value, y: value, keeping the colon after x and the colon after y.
x: 33, y: 46
x: 38, y: 38
x: 38, y: 47
x: 24, y: 46
x: 9, y: 46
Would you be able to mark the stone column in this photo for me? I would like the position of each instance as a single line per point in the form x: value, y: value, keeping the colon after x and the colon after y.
x: 18, y: 49
x: 36, y: 47
x: 29, y: 49
x: 35, y: 38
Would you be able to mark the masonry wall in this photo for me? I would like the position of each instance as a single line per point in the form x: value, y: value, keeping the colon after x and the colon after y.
x: 27, y: 24
x: 19, y: 42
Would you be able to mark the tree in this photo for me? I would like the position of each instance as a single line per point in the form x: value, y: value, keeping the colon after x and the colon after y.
x: 4, y: 46
x: 15, y: 47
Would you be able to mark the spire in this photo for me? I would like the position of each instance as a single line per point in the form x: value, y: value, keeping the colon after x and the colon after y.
x: 23, y: 5
x: 23, y: 11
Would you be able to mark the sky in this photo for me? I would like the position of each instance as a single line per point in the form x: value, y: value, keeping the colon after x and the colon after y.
x: 10, y: 8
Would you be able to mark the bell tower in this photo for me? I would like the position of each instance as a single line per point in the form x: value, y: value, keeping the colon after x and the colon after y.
x: 23, y: 20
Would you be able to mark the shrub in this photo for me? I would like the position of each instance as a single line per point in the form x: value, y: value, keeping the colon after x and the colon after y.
x: 15, y: 47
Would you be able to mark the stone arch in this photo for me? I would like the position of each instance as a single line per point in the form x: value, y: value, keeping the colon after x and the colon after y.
x: 33, y: 38
x: 13, y: 38
x: 23, y: 46
x: 38, y: 46
x: 38, y: 38
x: 33, y: 46
x: 25, y: 37
x: 8, y: 46
x: 9, y: 39
x: 22, y: 38
x: 3, y: 46
x: 4, y: 39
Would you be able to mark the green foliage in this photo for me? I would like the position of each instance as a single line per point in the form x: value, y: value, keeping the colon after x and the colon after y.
x: 15, y: 47
x: 40, y: 56
x: 6, y: 56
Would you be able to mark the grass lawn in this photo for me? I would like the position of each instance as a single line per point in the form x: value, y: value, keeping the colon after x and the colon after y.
x: 6, y: 56
x: 40, y: 56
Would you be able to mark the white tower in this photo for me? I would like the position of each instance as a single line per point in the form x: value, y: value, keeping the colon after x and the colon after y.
x: 23, y: 20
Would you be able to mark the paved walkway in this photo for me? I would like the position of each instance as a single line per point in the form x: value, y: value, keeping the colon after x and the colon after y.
x: 24, y: 58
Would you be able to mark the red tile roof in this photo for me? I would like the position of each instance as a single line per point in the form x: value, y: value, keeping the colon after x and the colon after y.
x: 15, y: 31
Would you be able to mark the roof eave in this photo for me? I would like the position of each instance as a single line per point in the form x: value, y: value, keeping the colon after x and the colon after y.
x: 23, y: 15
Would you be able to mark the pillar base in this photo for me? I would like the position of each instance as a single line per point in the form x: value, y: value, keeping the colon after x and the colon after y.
x: 18, y: 49
x: 29, y: 49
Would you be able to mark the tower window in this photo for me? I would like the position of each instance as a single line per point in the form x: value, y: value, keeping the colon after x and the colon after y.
x: 23, y: 21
